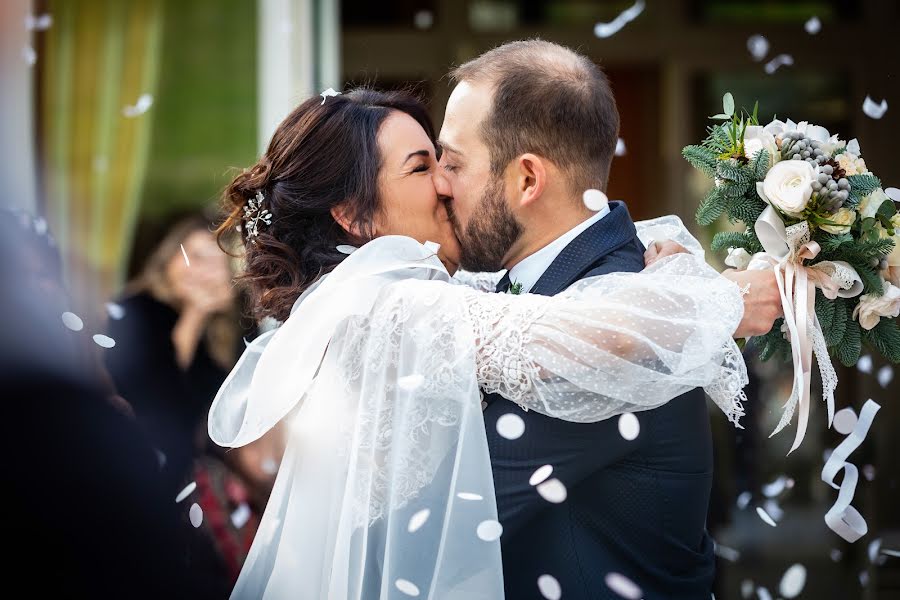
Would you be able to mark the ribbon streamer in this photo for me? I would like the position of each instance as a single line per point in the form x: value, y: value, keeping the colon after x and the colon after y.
x: 842, y: 518
x: 785, y: 251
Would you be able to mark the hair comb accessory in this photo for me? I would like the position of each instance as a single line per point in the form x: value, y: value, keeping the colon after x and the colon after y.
x: 254, y: 214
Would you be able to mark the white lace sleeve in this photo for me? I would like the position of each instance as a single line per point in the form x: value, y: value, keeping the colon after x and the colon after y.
x: 484, y: 282
x: 612, y: 344
x: 669, y: 227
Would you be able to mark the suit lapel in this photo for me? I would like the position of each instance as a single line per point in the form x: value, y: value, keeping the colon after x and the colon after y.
x: 606, y: 235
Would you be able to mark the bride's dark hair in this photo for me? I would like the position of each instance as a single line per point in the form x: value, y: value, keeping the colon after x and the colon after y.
x: 321, y: 156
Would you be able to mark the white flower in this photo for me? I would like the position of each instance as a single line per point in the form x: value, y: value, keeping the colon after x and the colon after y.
x: 844, y: 218
x: 869, y: 205
x: 832, y: 145
x: 852, y: 164
x: 814, y: 132
x: 788, y: 186
x: 871, y: 308
x: 738, y: 258
x: 756, y: 138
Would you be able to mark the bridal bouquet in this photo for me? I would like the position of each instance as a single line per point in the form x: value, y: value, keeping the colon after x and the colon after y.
x: 814, y: 213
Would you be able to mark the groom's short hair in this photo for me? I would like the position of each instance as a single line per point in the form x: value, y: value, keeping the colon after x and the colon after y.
x: 551, y: 101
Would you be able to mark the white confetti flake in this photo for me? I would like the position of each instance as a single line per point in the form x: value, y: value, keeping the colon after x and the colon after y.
x: 29, y: 55
x: 241, y: 515
x: 540, y: 475
x: 549, y: 587
x: 196, y: 515
x: 328, y: 94
x: 510, y: 426
x: 864, y: 578
x: 629, y: 426
x: 595, y: 200
x: 813, y: 25
x: 72, y: 321
x: 553, y: 491
x: 892, y: 193
x: 469, y: 496
x: 187, y: 261
x: 836, y: 555
x: 345, y: 249
x: 115, y: 311
x: 773, y: 509
x: 726, y: 552
x: 269, y: 466
x: 743, y: 500
x: 623, y: 586
x: 765, y: 516
x: 410, y: 382
x: 894, y: 553
x: 424, y: 19
x: 187, y: 491
x: 793, y: 581
x: 143, y: 104
x: 864, y: 364
x: 38, y: 22
x: 417, y: 520
x: 621, y: 150
x: 868, y: 472
x: 758, y: 47
x: 605, y: 30
x: 782, y: 60
x: 763, y: 594
x: 885, y: 375
x: 874, y: 549
x: 771, y: 490
x: 161, y: 458
x: 489, y: 531
x: 872, y: 110
x: 407, y: 587
x: 845, y: 420
x: 746, y: 588
x: 104, y: 341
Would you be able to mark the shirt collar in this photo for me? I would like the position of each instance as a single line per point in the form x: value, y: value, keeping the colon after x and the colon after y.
x: 527, y: 271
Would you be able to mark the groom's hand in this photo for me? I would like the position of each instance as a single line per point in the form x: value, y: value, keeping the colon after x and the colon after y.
x: 762, y: 301
x: 658, y: 250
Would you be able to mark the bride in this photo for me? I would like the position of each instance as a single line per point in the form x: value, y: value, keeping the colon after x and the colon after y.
x: 385, y: 489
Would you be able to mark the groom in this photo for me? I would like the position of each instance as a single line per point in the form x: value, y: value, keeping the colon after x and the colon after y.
x: 529, y: 127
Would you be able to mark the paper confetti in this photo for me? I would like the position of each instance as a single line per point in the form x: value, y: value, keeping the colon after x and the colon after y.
x: 104, y: 341
x: 469, y: 496
x: 605, y: 30
x: 143, y: 104
x: 72, y: 321
x: 620, y: 147
x: 813, y: 25
x: 836, y: 555
x: 345, y: 249
x: 872, y: 110
x: 241, y: 515
x: 595, y: 200
x: 726, y: 552
x: 510, y: 426
x: 874, y: 549
x: 782, y: 60
x: 187, y: 491
x: 885, y: 375
x: 629, y: 427
x: 758, y: 47
x: 424, y: 19
x: 549, y: 587
x: 417, y: 520
x: 489, y: 531
x: 793, y: 581
x: 763, y: 594
x: 553, y: 491
x: 38, y: 22
x: 743, y: 500
x: 115, y: 311
x: 746, y: 588
x: 892, y: 193
x: 29, y: 55
x: 540, y: 475
x: 845, y: 420
x: 407, y: 587
x: 196, y: 515
x: 623, y: 586
x: 868, y: 472
x: 328, y: 93
x: 765, y: 516
x: 864, y: 364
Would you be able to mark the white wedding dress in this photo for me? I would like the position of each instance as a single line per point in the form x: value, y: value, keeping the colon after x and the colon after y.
x: 385, y: 490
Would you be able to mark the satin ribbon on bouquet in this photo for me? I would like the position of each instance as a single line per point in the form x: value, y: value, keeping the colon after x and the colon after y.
x: 786, y: 250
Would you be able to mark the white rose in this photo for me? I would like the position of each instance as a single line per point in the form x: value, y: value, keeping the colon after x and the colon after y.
x: 852, y: 164
x: 788, y: 186
x: 844, y: 219
x: 869, y: 205
x: 756, y: 138
x: 738, y: 258
x: 871, y: 308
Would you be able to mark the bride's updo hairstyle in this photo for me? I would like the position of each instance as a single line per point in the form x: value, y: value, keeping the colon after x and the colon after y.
x: 324, y: 154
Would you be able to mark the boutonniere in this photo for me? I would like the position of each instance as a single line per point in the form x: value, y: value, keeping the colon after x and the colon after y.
x: 515, y: 288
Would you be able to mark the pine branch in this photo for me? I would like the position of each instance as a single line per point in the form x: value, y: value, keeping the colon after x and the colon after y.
x: 885, y: 338
x: 711, y: 208
x: 850, y: 347
x: 863, y: 185
x: 760, y: 165
x: 732, y: 171
x: 747, y: 240
x: 834, y: 335
x: 746, y: 209
x: 825, y: 310
x: 702, y: 159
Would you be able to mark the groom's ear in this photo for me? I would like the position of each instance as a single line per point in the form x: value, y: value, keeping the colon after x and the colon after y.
x: 343, y: 217
x: 531, y: 178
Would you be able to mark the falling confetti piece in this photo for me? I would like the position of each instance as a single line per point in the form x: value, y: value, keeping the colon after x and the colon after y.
x: 104, y: 341
x: 328, y: 93
x: 813, y: 25
x: 874, y: 549
x: 115, y: 311
x: 629, y: 427
x: 187, y: 491
x: 892, y: 193
x: 770, y: 490
x: 864, y: 364
x: 620, y: 147
x: 868, y: 472
x: 746, y: 588
x: 510, y: 426
x: 623, y: 586
x: 743, y: 500
x: 423, y: 19
x: 541, y: 475
x: 793, y: 581
x: 763, y: 594
x: 553, y: 491
x: 72, y: 321
x: 885, y: 375
x: 161, y: 458
x: 489, y: 531
x: 605, y: 30
x: 417, y: 520
x: 765, y: 516
x: 269, y: 466
x: 407, y: 587
x: 727, y: 553
x: 345, y: 249
x: 773, y: 509
x: 29, y: 55
x: 469, y: 496
x: 410, y: 382
x: 143, y: 104
x: 894, y: 553
x: 187, y: 261
x: 872, y: 110
x: 196, y: 515
x: 836, y: 555
x: 845, y: 420
x: 595, y: 200
x: 782, y: 60
x: 864, y: 578
x: 38, y: 22
x: 241, y: 515
x: 758, y: 47
x: 549, y: 587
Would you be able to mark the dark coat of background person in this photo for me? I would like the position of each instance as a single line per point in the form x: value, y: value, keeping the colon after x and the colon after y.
x: 638, y: 507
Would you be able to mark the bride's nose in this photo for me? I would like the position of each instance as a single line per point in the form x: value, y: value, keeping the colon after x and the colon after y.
x: 441, y: 184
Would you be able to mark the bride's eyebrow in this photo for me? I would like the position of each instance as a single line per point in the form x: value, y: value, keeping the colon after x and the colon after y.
x: 424, y: 153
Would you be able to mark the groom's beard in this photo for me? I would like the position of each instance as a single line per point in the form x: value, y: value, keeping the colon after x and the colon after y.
x: 491, y: 232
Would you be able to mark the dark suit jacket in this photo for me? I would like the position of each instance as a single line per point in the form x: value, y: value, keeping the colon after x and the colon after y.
x: 638, y: 507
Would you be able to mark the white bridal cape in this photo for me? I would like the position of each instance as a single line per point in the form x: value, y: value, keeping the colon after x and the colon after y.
x: 385, y: 490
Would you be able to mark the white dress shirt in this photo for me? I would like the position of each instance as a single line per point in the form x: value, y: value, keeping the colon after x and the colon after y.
x: 529, y: 270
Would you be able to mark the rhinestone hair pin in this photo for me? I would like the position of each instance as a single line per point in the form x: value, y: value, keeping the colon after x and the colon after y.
x: 254, y: 214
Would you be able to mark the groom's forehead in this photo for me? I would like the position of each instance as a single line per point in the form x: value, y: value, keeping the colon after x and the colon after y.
x: 466, y: 108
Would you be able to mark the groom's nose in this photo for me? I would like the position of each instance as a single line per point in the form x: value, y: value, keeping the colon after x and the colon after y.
x: 442, y: 186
